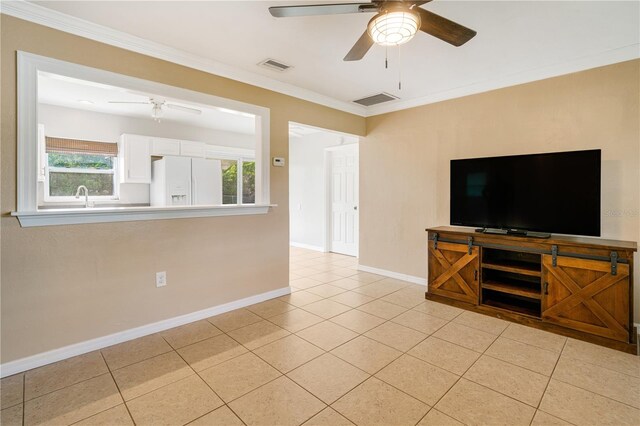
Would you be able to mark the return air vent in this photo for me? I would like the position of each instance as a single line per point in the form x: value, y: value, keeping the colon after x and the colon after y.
x: 272, y: 64
x: 376, y: 99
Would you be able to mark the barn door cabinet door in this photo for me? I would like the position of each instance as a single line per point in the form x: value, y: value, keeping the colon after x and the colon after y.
x: 585, y: 295
x: 453, y: 271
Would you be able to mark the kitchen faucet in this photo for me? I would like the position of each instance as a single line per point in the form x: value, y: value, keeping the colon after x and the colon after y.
x: 86, y: 195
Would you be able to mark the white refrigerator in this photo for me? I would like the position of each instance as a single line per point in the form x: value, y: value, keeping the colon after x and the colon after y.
x: 185, y: 181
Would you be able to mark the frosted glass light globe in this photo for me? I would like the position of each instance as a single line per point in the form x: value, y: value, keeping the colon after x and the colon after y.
x: 393, y: 28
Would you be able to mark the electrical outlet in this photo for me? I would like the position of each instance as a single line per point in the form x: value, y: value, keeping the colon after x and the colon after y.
x: 161, y: 279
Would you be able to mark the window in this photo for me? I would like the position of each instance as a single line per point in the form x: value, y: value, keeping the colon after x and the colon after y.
x: 229, y: 181
x: 234, y: 183
x: 72, y: 163
x: 248, y: 182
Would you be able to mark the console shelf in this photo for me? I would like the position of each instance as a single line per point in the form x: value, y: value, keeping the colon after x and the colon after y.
x: 511, y: 289
x: 511, y: 273
x: 524, y: 306
x: 517, y: 267
x: 579, y: 287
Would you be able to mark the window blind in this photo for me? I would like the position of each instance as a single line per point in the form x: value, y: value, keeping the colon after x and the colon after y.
x: 77, y: 146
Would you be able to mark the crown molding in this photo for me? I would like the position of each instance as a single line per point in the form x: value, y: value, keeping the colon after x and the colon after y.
x: 41, y: 15
x: 60, y: 21
x: 584, y: 63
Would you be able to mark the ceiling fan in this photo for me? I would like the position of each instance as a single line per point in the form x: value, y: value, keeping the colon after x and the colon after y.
x: 395, y: 23
x: 157, y: 105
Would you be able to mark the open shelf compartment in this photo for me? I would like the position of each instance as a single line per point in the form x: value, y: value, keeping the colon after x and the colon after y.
x: 512, y: 280
x: 511, y: 302
x: 512, y: 261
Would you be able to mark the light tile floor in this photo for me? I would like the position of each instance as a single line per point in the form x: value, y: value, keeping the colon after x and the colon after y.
x: 345, y: 347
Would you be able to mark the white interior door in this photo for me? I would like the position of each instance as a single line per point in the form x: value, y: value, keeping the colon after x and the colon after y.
x: 344, y: 199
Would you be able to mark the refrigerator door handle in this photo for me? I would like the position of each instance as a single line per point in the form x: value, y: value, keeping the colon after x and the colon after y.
x: 194, y: 191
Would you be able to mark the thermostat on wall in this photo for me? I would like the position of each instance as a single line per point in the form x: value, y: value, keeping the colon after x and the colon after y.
x: 278, y: 161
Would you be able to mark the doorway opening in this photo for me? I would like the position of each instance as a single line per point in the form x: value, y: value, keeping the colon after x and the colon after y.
x: 323, y: 190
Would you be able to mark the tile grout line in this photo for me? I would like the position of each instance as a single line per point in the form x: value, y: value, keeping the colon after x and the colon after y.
x: 601, y: 366
x: 465, y: 372
x: 456, y: 382
x: 153, y: 390
x: 550, y: 377
x: 598, y: 394
x: 124, y: 402
x: 109, y: 370
x: 24, y: 395
x: 204, y: 381
x: 395, y: 359
x: 252, y: 352
x: 329, y: 352
x: 64, y: 387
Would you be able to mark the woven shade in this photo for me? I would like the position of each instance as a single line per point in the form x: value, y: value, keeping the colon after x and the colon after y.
x: 77, y: 146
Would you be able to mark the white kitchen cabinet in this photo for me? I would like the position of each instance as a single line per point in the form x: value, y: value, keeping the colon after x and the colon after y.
x: 192, y: 149
x: 164, y: 146
x: 135, y: 159
x: 42, y: 154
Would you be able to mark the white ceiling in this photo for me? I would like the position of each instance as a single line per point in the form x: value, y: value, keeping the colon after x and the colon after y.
x: 68, y: 92
x: 517, y: 41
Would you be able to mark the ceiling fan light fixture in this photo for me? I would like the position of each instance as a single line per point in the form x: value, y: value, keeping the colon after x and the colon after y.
x: 395, y: 27
x: 156, y: 111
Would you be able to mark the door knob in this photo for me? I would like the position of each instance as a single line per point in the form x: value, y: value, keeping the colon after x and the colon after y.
x: 355, y: 207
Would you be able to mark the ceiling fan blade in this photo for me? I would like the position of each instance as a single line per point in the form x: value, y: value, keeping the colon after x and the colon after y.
x: 321, y: 9
x: 128, y: 102
x: 444, y: 29
x: 359, y: 49
x: 184, y: 109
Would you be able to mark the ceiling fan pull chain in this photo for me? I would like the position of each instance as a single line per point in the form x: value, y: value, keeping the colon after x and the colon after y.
x: 386, y: 57
x: 399, y: 70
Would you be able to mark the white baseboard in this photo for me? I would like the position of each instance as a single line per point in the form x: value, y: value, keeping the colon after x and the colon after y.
x: 307, y: 246
x: 392, y: 274
x: 44, y: 358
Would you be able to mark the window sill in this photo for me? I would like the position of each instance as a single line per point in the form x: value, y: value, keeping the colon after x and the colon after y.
x: 82, y: 215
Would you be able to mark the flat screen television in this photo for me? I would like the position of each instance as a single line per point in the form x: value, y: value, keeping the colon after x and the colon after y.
x: 551, y: 193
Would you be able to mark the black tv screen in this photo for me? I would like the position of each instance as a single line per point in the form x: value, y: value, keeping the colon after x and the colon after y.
x: 555, y: 193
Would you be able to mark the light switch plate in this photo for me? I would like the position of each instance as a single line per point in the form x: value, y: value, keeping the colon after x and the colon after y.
x: 278, y: 161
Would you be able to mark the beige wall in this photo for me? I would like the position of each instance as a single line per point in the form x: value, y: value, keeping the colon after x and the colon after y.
x: 599, y: 108
x: 66, y: 284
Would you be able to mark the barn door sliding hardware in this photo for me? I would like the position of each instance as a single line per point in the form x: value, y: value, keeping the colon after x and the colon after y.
x: 436, y: 238
x: 614, y: 263
x: 613, y: 258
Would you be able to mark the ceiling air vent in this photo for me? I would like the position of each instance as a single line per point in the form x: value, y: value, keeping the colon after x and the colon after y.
x: 272, y: 64
x: 376, y: 99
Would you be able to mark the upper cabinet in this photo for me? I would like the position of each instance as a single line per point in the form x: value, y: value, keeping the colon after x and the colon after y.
x: 135, y: 159
x: 192, y: 149
x: 164, y: 146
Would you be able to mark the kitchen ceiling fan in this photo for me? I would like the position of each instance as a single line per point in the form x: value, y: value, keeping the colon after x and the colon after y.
x: 158, y: 105
x: 395, y: 23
